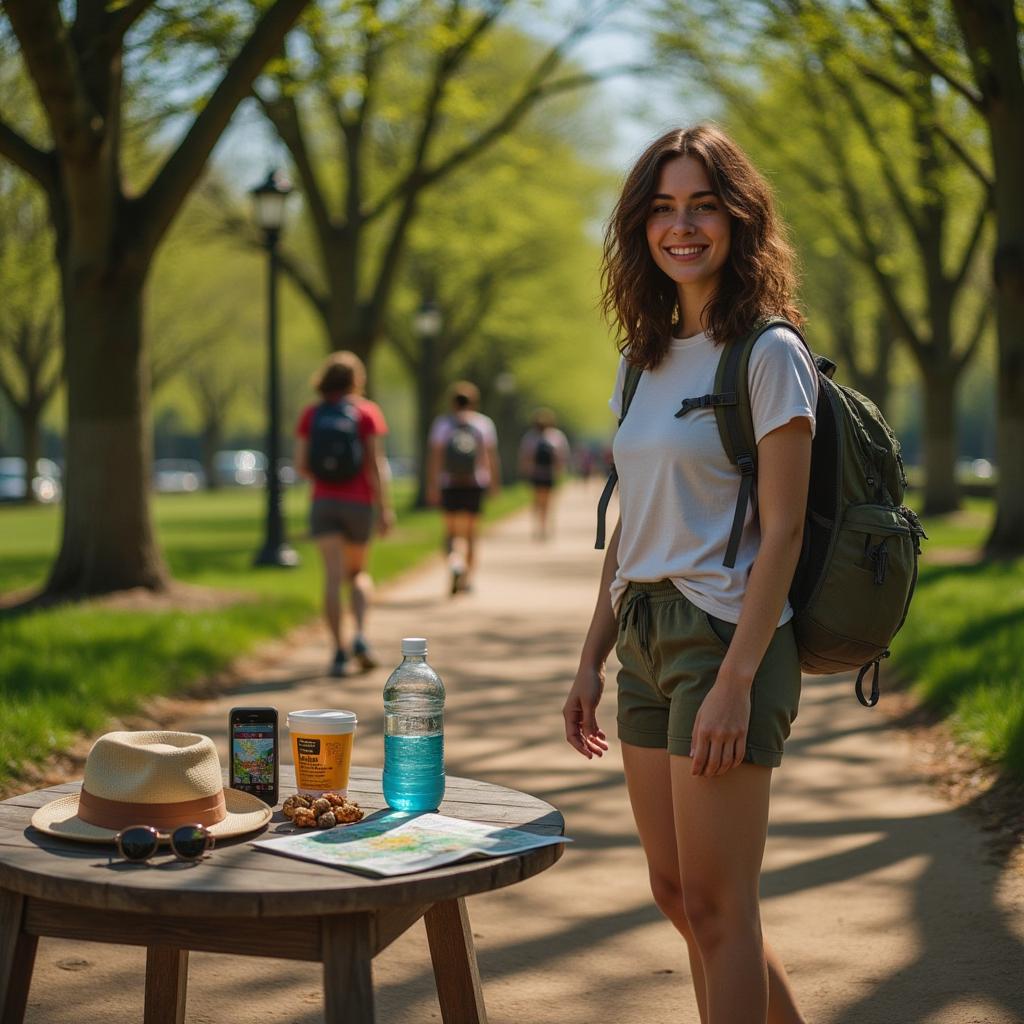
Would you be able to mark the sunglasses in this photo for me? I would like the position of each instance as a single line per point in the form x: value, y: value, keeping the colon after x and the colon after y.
x: 140, y: 842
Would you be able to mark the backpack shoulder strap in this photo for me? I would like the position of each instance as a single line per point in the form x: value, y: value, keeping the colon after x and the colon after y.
x: 736, y: 422
x: 629, y: 386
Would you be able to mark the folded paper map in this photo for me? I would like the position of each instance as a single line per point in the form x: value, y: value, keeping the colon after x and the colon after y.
x: 395, y: 843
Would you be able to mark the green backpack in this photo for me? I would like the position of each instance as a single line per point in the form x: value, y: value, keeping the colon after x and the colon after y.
x: 858, y: 562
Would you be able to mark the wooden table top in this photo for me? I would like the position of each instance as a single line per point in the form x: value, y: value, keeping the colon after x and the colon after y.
x: 237, y: 880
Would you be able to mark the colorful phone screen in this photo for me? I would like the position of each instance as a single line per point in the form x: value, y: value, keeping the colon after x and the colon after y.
x: 252, y: 756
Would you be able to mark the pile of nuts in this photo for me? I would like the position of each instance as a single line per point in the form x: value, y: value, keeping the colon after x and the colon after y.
x: 325, y: 811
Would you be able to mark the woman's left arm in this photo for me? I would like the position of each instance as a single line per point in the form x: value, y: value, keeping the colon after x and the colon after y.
x: 380, y: 480
x: 783, y: 472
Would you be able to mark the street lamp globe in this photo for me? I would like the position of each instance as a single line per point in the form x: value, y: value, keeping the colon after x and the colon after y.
x: 269, y: 201
x: 428, y: 320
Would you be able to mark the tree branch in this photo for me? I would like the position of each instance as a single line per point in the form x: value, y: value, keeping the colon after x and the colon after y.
x: 872, y: 74
x: 301, y: 279
x: 53, y: 66
x: 282, y: 113
x: 981, y: 322
x: 128, y: 14
x: 871, y: 254
x: 162, y: 200
x: 535, y: 89
x: 403, y: 350
x: 37, y: 163
x: 971, y: 95
x: 872, y: 136
x: 972, y: 244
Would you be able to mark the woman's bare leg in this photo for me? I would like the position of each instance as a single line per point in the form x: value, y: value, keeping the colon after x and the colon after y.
x: 332, y: 552
x: 721, y: 824
x: 360, y: 582
x: 649, y: 783
x: 542, y: 508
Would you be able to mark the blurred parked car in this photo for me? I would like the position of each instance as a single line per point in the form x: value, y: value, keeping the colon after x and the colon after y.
x: 45, y: 484
x: 286, y: 472
x: 240, y: 468
x: 178, y: 476
x: 401, y: 466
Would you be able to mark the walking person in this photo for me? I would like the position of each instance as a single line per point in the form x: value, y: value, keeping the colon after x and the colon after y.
x: 462, y: 467
x: 340, y: 448
x: 543, y: 457
x: 709, y: 679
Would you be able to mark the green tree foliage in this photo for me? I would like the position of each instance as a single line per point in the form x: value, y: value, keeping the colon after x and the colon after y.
x: 379, y: 105
x: 851, y: 115
x: 508, y: 256
x: 107, y: 233
x: 984, y: 68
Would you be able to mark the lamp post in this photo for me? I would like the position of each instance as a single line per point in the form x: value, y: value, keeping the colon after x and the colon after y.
x: 427, y: 324
x: 269, y: 201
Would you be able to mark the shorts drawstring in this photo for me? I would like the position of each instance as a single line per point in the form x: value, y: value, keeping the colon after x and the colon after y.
x: 638, y: 609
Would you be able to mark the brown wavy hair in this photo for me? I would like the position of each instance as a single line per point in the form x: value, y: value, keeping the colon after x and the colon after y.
x: 758, y: 278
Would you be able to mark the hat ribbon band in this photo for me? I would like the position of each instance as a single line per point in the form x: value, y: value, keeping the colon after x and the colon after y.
x: 97, y: 810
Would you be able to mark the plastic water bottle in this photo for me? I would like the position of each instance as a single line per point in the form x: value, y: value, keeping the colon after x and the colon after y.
x: 414, y: 732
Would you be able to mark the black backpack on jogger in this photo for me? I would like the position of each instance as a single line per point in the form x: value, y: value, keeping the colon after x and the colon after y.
x: 858, y: 562
x: 544, y: 455
x: 461, y: 453
x: 336, y: 451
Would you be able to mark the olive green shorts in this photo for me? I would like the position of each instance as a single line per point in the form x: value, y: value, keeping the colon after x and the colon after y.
x: 670, y: 651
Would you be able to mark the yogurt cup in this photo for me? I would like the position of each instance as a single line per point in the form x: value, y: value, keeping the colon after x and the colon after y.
x: 322, y: 750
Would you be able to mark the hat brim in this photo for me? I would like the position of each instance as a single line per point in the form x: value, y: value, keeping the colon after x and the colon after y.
x: 246, y: 813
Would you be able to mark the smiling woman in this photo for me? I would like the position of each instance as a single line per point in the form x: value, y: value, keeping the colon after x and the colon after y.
x: 693, y: 594
x: 694, y: 188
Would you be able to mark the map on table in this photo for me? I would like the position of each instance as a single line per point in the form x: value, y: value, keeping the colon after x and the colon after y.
x: 398, y: 844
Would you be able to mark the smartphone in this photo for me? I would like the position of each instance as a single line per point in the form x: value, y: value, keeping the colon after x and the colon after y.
x: 254, y: 755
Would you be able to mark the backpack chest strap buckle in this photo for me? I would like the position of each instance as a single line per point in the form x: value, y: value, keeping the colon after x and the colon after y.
x: 706, y: 402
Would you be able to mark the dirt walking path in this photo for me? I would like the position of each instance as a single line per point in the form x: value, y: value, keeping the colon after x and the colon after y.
x: 879, y: 896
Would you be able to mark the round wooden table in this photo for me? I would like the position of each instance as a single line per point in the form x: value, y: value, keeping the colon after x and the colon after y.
x: 244, y: 901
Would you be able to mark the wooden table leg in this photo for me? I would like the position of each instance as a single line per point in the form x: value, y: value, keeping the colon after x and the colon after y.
x: 348, y: 979
x: 17, y: 958
x: 166, y: 983
x: 455, y: 968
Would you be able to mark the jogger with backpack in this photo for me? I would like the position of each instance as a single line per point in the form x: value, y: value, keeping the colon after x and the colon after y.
x: 339, y: 447
x: 543, y: 457
x: 462, y: 467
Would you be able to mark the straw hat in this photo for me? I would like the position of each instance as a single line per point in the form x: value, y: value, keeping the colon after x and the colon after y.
x: 164, y: 779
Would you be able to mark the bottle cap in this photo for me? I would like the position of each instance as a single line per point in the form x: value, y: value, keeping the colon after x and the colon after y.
x: 414, y: 645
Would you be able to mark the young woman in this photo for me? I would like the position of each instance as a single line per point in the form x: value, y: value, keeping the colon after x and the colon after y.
x: 709, y: 679
x: 344, y: 504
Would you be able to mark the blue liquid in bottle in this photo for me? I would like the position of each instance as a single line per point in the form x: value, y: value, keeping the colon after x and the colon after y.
x: 414, y: 732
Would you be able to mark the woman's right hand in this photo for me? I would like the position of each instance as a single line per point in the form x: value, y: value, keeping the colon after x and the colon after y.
x: 579, y: 712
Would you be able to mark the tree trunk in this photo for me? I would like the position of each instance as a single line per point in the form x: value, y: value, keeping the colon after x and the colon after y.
x: 992, y: 34
x: 940, y: 445
x: 108, y: 542
x: 211, y: 441
x: 31, y: 445
x: 1007, y: 537
x: 876, y: 379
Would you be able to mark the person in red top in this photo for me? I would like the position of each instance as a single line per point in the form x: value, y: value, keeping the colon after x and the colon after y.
x: 339, y: 448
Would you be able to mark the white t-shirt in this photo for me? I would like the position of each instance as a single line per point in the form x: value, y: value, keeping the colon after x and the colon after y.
x: 443, y: 428
x: 677, y: 488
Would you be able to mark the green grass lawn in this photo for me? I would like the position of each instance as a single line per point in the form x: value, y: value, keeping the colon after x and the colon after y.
x: 70, y: 669
x: 962, y: 647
